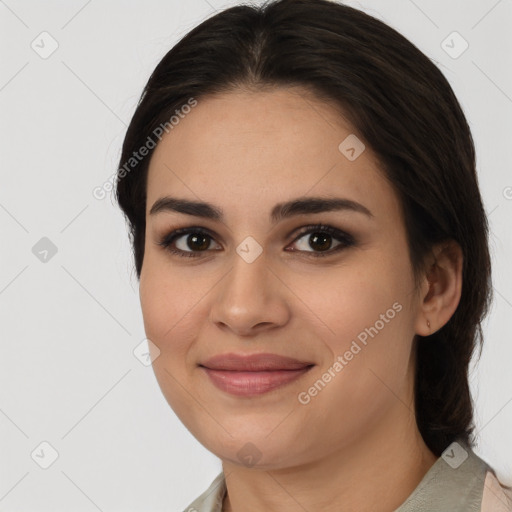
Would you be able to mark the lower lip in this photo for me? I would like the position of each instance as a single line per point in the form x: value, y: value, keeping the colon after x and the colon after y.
x: 252, y: 383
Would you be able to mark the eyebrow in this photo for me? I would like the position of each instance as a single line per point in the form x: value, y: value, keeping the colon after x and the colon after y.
x: 299, y: 206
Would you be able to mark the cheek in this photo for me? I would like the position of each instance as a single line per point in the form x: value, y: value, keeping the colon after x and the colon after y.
x: 366, y: 319
x: 352, y: 298
x: 167, y: 303
x: 175, y: 308
x: 170, y: 308
x: 369, y: 345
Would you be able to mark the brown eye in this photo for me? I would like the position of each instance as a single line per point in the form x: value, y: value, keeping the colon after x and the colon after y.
x: 320, y: 239
x: 196, y: 242
x: 187, y: 242
x: 193, y: 241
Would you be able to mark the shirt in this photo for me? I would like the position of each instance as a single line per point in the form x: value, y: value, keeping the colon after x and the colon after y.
x: 459, y: 481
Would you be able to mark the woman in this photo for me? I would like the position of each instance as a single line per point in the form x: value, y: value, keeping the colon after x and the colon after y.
x: 312, y: 279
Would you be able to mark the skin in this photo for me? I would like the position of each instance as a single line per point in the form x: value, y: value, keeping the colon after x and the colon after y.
x: 355, y: 445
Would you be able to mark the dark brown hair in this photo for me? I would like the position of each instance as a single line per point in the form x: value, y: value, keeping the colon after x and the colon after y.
x: 400, y: 105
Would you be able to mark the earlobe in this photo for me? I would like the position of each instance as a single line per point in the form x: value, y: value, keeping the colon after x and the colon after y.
x: 443, y: 284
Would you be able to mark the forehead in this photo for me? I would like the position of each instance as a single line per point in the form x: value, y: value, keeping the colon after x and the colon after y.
x: 250, y: 148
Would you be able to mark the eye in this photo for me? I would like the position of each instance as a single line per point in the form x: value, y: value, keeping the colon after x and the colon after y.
x: 187, y: 242
x: 191, y: 242
x: 320, y: 238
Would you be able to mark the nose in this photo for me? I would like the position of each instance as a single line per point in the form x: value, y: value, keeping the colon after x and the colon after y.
x: 250, y: 298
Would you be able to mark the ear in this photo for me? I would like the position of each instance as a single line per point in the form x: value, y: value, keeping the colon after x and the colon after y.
x: 441, y: 290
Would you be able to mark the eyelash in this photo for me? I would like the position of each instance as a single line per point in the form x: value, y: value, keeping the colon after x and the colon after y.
x: 345, y: 239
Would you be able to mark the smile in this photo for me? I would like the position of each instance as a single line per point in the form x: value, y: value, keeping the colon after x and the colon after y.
x: 253, y: 374
x: 252, y: 383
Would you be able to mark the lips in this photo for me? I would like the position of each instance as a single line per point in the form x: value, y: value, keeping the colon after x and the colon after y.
x: 251, y: 375
x: 253, y: 363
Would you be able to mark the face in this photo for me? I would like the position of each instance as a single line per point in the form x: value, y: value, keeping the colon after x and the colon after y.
x: 337, y: 299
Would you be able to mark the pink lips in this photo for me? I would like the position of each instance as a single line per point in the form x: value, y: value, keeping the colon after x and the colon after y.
x: 249, y: 375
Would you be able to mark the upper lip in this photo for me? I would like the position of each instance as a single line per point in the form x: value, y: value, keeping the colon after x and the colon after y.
x: 253, y: 362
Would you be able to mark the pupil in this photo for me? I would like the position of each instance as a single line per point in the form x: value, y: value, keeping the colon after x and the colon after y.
x: 194, y: 239
x: 324, y: 241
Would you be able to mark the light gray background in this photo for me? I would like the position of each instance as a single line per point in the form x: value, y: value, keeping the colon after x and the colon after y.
x: 69, y: 325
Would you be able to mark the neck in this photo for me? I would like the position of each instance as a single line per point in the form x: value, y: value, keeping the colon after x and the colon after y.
x: 376, y: 472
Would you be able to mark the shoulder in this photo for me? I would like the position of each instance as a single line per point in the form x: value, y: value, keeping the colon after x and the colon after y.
x: 210, y: 500
x: 459, y: 481
x: 495, y: 497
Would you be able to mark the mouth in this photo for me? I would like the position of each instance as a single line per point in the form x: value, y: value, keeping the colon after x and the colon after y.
x: 251, y: 375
